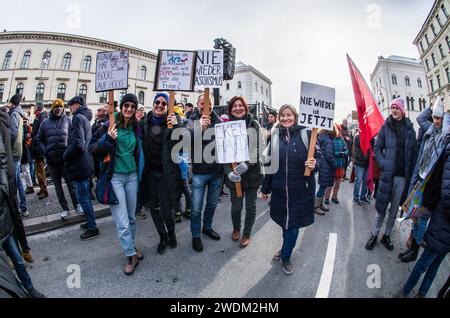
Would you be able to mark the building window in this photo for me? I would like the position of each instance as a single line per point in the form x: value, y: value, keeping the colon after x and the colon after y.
x: 228, y: 86
x: 434, y: 59
x: 83, y: 91
x: 262, y: 90
x: 431, y: 85
x: 103, y: 98
x: 426, y: 39
x: 239, y: 84
x: 2, y: 90
x: 447, y: 74
x: 46, y: 59
x: 424, y: 103
x: 86, y: 67
x: 447, y: 39
x: 428, y: 65
x: 26, y: 60
x: 394, y: 97
x: 61, y: 93
x: 419, y: 83
x: 122, y: 94
x: 40, y: 92
x: 433, y: 29
x: 66, y: 61
x: 441, y: 50
x: 438, y: 19
x: 141, y: 97
x: 7, y: 60
x: 439, y: 80
x: 394, y: 79
x: 421, y: 46
x: 407, y: 82
x: 444, y: 10
x: 19, y: 89
x: 267, y: 92
x: 143, y: 73
x: 411, y: 101
x: 256, y: 86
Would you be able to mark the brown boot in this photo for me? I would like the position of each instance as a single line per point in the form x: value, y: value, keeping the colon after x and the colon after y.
x: 235, y: 236
x: 132, y: 263
x: 42, y: 195
x: 317, y: 205
x: 27, y: 256
x: 244, y: 242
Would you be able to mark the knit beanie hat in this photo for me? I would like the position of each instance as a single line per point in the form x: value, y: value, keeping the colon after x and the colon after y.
x: 40, y: 105
x: 56, y: 103
x: 165, y: 96
x: 400, y: 103
x: 438, y: 108
x: 129, y: 98
x: 77, y: 100
x: 16, y: 99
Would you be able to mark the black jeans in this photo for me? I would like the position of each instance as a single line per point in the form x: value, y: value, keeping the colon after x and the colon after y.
x: 158, y: 191
x: 187, y: 195
x: 58, y: 172
x: 250, y: 209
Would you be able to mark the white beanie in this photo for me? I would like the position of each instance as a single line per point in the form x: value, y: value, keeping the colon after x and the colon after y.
x: 438, y: 108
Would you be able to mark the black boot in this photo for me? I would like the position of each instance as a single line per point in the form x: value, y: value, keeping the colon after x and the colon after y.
x: 413, y: 243
x: 411, y: 256
x: 162, y: 243
x: 386, y: 241
x: 371, y: 243
x: 172, y: 240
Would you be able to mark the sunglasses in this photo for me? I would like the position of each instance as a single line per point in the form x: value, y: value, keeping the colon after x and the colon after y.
x: 127, y: 105
x: 157, y: 103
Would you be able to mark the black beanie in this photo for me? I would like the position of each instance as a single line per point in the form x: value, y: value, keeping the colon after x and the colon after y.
x: 16, y: 99
x: 129, y: 98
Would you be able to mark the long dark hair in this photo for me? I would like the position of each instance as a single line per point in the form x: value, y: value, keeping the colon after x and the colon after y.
x: 133, y: 122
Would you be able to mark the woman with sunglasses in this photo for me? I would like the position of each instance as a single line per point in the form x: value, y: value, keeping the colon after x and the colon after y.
x: 162, y: 175
x: 122, y: 143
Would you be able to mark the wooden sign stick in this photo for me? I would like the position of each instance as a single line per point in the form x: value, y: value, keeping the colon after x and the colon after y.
x: 237, y: 184
x: 312, y: 149
x: 171, y: 106
x: 206, y: 107
x: 111, y: 108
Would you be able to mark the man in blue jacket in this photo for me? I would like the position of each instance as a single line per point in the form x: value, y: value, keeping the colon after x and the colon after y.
x: 79, y: 162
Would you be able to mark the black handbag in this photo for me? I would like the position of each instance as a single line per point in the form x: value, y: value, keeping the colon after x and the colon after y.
x: 104, y: 191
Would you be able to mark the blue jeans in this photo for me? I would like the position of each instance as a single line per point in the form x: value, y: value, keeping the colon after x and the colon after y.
x: 321, y: 192
x: 360, y: 190
x: 429, y: 262
x: 199, y: 183
x: 12, y: 250
x: 33, y: 171
x: 289, y: 239
x: 124, y: 214
x: 83, y: 189
x: 20, y: 189
x: 420, y: 229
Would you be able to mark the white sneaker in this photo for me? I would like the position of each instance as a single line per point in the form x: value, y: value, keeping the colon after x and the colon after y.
x: 80, y: 210
x: 65, y: 215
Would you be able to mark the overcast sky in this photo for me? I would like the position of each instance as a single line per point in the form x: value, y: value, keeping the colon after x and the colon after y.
x: 287, y: 40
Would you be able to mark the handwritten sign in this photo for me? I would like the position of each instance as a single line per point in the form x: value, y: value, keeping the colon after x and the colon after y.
x: 317, y: 105
x: 175, y: 70
x: 112, y: 71
x: 209, y: 69
x: 231, y: 142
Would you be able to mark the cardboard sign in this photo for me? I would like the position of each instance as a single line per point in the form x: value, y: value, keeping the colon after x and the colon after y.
x: 175, y: 70
x: 209, y: 69
x: 112, y: 71
x: 231, y: 142
x: 317, y: 105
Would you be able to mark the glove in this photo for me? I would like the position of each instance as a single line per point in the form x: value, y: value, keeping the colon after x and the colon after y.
x: 234, y: 177
x: 241, y: 169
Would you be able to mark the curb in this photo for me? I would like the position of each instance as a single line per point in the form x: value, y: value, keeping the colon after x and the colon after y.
x: 43, y: 224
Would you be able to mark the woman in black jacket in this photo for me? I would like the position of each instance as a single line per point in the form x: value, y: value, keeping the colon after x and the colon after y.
x: 292, y: 194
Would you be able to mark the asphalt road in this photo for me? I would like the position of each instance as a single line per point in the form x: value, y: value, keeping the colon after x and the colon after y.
x: 330, y: 260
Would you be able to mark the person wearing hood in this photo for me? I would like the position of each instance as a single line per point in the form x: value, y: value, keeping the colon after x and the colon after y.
x: 396, y: 154
x: 79, y: 162
x: 52, y: 142
x: 40, y: 116
x: 16, y: 116
x: 430, y: 149
x: 162, y: 179
x: 247, y: 173
x: 327, y: 169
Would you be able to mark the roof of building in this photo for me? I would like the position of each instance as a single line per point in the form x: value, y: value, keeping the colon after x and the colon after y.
x: 404, y: 59
x: 425, y: 23
x: 241, y: 67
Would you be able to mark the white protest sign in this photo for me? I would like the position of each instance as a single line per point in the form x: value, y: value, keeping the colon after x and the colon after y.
x: 317, y: 105
x: 209, y: 69
x: 175, y: 70
x: 112, y: 71
x: 231, y: 142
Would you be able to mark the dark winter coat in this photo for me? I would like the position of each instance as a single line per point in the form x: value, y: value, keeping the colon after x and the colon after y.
x: 193, y: 125
x: 157, y: 144
x: 6, y: 221
x: 328, y: 166
x: 425, y: 120
x: 292, y: 200
x: 437, y: 236
x: 359, y: 158
x: 10, y: 287
x: 16, y: 116
x: 386, y: 156
x: 35, y: 151
x: 251, y: 178
x: 76, y: 157
x: 52, y: 138
x: 26, y: 145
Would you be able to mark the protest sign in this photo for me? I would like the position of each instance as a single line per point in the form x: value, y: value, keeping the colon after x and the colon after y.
x: 317, y: 104
x: 175, y: 70
x: 232, y: 145
x: 209, y: 69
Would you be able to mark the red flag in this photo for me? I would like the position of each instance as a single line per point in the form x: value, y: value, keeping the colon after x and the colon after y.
x: 370, y: 119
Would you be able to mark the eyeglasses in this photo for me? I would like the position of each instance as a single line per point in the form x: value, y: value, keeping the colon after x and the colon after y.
x: 129, y: 105
x: 157, y: 102
x: 395, y: 108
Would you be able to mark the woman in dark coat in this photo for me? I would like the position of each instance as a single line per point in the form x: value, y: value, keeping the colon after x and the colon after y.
x: 327, y: 169
x: 292, y: 194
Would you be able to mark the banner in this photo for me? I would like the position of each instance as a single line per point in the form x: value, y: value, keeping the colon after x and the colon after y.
x: 175, y: 70
x: 112, y: 71
x: 317, y: 105
x: 231, y: 142
x: 209, y: 69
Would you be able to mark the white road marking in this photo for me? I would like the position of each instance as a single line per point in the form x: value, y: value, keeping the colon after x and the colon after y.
x: 327, y: 273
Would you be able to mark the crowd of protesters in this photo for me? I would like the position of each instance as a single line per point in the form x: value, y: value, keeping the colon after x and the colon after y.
x: 132, y: 164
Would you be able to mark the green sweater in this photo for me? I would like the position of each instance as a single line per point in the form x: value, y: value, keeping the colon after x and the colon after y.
x: 124, y: 158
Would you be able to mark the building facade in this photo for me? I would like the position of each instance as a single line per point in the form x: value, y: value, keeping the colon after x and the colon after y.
x: 433, y: 43
x: 397, y: 76
x: 43, y: 66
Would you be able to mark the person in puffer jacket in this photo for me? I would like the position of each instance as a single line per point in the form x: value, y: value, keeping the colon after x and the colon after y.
x: 327, y: 169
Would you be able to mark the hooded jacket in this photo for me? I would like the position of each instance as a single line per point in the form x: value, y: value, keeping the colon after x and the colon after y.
x: 77, y: 158
x: 35, y: 152
x: 16, y: 116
